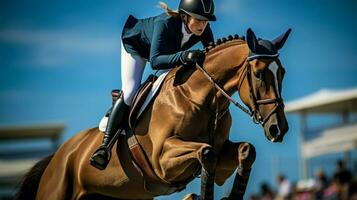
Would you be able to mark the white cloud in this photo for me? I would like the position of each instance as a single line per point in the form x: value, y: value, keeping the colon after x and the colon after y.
x: 61, y: 39
x: 49, y: 48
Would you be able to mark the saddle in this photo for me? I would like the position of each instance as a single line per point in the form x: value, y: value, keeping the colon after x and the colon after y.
x: 139, y: 99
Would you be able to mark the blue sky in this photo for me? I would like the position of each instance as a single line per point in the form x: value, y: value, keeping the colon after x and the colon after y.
x: 60, y: 59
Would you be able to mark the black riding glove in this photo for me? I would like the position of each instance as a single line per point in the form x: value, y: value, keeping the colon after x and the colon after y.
x: 192, y: 57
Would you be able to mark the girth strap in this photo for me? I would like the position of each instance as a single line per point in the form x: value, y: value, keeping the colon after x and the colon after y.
x: 140, y: 158
x: 153, y: 183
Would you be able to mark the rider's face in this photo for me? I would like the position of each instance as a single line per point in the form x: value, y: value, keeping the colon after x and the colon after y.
x: 196, y: 26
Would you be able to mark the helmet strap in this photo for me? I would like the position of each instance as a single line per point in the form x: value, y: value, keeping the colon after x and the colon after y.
x: 184, y: 18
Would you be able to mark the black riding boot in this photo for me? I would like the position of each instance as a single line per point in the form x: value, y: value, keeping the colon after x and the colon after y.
x: 117, y: 120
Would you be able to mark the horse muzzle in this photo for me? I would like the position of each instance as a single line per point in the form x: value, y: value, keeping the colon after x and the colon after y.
x: 274, y: 129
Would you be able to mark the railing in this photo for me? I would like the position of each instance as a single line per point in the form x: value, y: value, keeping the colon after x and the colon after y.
x: 20, y: 148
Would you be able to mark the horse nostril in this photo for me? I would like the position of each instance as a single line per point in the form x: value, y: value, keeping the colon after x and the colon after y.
x: 274, y: 130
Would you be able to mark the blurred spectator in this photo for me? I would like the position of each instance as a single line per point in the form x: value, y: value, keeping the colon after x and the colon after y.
x: 333, y: 191
x: 343, y: 174
x: 305, y: 190
x: 284, y: 188
x: 321, y: 183
x: 344, y: 178
x: 353, y: 190
x: 265, y: 192
x: 341, y: 187
x: 253, y: 197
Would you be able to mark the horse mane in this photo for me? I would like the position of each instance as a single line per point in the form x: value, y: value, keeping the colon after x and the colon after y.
x: 224, y: 40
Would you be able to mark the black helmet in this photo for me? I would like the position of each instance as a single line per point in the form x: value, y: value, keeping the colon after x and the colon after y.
x: 199, y: 9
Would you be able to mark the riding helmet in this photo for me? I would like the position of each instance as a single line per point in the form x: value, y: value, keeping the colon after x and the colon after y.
x: 199, y: 9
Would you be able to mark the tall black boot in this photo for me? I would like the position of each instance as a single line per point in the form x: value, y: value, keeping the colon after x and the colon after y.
x: 117, y: 120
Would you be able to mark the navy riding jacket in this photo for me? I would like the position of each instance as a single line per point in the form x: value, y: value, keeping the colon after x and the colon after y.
x: 158, y: 39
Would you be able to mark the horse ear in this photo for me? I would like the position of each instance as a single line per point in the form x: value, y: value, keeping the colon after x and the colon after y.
x: 251, y: 40
x: 279, y: 41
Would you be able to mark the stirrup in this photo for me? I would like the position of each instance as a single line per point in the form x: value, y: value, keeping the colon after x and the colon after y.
x: 100, y: 158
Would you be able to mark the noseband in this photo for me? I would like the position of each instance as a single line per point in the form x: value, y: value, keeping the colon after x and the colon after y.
x: 254, y: 113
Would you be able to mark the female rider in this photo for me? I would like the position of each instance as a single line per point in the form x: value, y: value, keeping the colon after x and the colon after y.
x: 163, y: 40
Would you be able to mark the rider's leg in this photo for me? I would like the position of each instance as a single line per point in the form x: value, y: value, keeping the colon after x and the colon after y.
x: 131, y: 74
x: 117, y: 120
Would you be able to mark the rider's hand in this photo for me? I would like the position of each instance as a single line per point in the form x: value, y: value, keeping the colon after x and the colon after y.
x: 192, y: 57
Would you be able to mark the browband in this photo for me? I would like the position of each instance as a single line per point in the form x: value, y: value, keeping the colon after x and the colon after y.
x: 255, y: 56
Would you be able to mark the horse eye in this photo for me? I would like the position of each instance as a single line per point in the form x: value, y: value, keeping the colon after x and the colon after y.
x: 258, y: 74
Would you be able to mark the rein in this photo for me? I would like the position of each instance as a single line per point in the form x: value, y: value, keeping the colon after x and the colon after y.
x: 254, y: 113
x: 236, y: 103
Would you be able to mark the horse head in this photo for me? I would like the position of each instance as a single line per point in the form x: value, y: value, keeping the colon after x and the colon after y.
x: 260, y: 85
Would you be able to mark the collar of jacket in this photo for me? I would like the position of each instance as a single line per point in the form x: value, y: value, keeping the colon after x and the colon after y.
x: 193, y: 39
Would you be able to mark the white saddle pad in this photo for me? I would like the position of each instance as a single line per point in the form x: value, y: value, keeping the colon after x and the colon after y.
x: 155, y: 88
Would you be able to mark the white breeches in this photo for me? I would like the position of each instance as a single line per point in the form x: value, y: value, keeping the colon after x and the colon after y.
x: 132, y: 69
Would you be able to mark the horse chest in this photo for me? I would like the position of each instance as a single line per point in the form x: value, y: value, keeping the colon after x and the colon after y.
x: 194, y: 124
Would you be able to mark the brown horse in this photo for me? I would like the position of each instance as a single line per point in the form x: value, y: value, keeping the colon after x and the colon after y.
x: 185, y: 131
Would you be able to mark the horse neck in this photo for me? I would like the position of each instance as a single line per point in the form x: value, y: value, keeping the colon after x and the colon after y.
x: 225, y: 62
x: 222, y: 63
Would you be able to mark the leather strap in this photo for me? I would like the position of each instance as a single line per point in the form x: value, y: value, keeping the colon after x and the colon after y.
x: 153, y: 183
x: 140, y: 158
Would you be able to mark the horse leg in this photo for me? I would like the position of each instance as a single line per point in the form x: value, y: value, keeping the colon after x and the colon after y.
x: 233, y: 156
x: 179, y: 154
x: 246, y: 158
x: 208, y: 161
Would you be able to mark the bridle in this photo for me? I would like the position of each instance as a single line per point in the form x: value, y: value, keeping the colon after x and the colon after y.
x: 254, y: 113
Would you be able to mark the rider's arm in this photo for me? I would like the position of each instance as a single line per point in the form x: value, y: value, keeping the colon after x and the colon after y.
x: 158, y: 57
